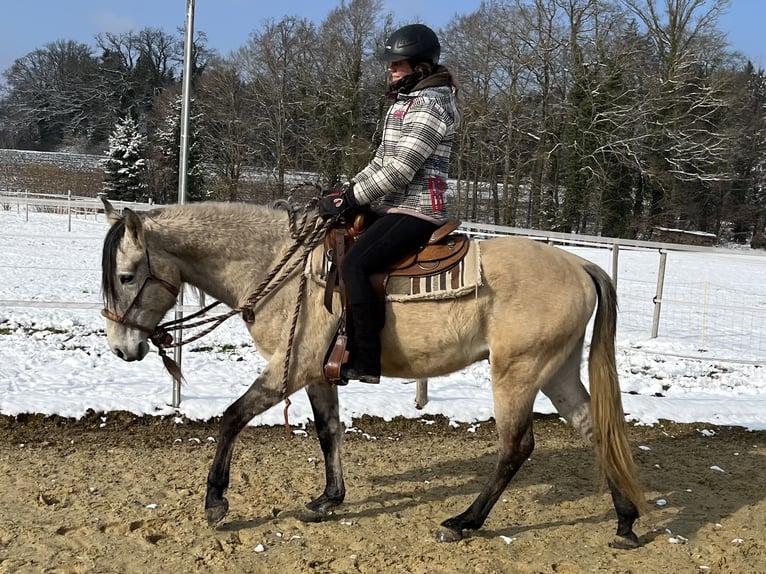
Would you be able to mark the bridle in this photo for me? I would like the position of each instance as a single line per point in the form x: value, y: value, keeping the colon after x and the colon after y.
x: 307, y: 234
x: 158, y: 336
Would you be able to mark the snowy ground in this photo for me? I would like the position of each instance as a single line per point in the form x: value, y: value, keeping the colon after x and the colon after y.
x: 707, y: 365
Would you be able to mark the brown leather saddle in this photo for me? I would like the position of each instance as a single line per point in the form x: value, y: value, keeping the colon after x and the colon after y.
x: 443, y: 251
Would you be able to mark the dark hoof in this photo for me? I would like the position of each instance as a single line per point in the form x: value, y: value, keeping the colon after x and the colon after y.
x: 625, y: 542
x: 446, y: 534
x: 323, y: 506
x: 217, y: 513
x: 311, y: 516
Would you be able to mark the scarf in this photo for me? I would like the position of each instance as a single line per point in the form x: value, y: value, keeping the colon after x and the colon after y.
x: 441, y: 76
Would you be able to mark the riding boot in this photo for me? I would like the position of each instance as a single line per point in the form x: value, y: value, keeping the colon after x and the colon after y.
x: 364, y: 356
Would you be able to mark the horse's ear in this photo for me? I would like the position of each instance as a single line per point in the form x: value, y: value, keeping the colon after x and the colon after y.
x: 111, y: 213
x: 134, y: 228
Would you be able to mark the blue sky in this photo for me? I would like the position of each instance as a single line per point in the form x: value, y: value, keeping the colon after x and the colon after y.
x: 31, y: 24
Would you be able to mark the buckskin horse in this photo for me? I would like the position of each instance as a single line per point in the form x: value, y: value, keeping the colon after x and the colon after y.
x: 528, y: 317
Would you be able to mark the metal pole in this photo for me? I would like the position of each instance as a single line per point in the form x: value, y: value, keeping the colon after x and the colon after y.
x: 183, y: 165
x: 421, y: 393
x: 658, y: 294
x: 615, y: 263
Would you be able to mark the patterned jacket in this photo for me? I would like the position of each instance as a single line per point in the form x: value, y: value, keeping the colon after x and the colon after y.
x: 409, y: 170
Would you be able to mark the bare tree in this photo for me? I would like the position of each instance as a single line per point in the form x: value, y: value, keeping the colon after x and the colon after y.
x: 686, y: 148
x: 136, y: 66
x: 478, y: 55
x: 274, y: 63
x: 50, y: 96
x: 224, y: 105
x: 349, y: 86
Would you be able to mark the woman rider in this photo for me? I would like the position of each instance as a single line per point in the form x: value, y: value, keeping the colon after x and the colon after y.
x: 406, y: 182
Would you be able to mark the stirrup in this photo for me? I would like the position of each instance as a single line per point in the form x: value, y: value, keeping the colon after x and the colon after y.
x: 335, y: 361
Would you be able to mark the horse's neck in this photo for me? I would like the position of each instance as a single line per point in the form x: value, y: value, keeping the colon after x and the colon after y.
x: 225, y: 261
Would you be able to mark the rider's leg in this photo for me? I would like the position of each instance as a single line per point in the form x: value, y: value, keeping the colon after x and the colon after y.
x: 386, y: 241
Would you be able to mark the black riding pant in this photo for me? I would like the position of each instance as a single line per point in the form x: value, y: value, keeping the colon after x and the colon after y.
x: 385, y: 242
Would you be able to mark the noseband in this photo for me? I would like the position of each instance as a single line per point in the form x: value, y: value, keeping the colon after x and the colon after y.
x: 161, y: 336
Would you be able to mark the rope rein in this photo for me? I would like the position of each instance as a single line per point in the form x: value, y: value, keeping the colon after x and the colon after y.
x: 306, y: 234
x: 311, y: 235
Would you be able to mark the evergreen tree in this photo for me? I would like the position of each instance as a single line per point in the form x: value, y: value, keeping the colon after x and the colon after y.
x: 166, y: 157
x: 579, y: 146
x: 125, y: 169
x: 751, y: 166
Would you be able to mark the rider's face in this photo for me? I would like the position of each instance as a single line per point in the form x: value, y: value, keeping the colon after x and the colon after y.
x: 399, y: 70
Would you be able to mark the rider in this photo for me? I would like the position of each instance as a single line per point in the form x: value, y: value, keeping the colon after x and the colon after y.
x: 406, y: 180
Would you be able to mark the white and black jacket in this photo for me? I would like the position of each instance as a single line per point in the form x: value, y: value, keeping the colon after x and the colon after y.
x: 409, y: 170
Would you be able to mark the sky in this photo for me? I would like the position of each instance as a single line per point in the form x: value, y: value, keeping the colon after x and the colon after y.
x: 26, y: 26
x: 54, y: 356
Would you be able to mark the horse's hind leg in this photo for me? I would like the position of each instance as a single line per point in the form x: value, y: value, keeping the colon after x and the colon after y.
x: 324, y: 404
x: 569, y: 396
x: 256, y: 399
x: 513, y: 414
x: 572, y: 401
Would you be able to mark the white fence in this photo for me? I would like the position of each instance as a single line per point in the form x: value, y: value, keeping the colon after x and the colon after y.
x: 647, y: 298
x: 71, y: 205
x: 693, y: 294
x: 724, y: 314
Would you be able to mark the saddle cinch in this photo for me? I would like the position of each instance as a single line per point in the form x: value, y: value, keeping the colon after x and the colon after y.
x: 443, y: 251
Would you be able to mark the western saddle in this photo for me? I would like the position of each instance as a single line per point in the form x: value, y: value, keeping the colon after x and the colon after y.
x: 443, y: 251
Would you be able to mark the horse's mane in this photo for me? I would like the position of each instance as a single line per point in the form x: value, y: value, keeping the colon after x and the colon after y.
x: 218, y: 214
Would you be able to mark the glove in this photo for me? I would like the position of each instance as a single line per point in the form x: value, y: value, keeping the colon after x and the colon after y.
x: 338, y: 205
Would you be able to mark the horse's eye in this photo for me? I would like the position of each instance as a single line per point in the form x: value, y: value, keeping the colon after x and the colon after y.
x: 126, y: 278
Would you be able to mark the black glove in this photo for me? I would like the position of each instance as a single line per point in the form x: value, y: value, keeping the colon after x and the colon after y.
x: 338, y: 205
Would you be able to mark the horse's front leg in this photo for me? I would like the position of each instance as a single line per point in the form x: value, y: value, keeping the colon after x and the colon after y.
x: 324, y: 404
x: 258, y: 398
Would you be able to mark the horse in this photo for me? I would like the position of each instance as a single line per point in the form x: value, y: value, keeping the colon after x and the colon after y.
x: 528, y: 317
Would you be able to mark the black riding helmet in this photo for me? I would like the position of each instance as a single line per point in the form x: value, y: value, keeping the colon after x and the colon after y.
x: 415, y: 43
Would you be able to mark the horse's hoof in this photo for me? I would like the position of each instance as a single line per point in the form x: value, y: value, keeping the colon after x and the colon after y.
x: 312, y: 516
x: 446, y: 534
x: 215, y: 514
x: 321, y: 508
x: 625, y: 542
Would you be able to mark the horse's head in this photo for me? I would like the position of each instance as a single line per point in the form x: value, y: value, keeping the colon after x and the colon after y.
x: 139, y: 284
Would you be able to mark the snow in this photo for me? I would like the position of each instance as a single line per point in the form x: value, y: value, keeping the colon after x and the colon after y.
x: 55, y: 359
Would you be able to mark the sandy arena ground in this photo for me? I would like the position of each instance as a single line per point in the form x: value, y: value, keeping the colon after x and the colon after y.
x: 116, y: 493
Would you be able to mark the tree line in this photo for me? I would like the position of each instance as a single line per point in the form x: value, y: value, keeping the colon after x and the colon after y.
x: 605, y: 117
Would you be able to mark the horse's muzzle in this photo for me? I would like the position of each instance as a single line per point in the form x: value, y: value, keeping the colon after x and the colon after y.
x: 131, y: 354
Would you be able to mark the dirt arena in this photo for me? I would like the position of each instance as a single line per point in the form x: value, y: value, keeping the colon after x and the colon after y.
x: 117, y: 493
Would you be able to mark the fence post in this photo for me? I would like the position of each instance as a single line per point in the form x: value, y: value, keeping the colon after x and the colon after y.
x: 421, y: 393
x: 704, y: 316
x: 615, y: 263
x: 658, y: 293
x: 69, y: 209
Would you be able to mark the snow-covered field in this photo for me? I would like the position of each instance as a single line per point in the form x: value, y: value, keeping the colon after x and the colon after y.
x: 707, y: 365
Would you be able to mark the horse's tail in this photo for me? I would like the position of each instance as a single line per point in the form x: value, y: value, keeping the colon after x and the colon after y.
x: 610, y: 437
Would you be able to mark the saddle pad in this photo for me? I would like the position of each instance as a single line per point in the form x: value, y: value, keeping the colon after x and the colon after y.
x: 463, y: 279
